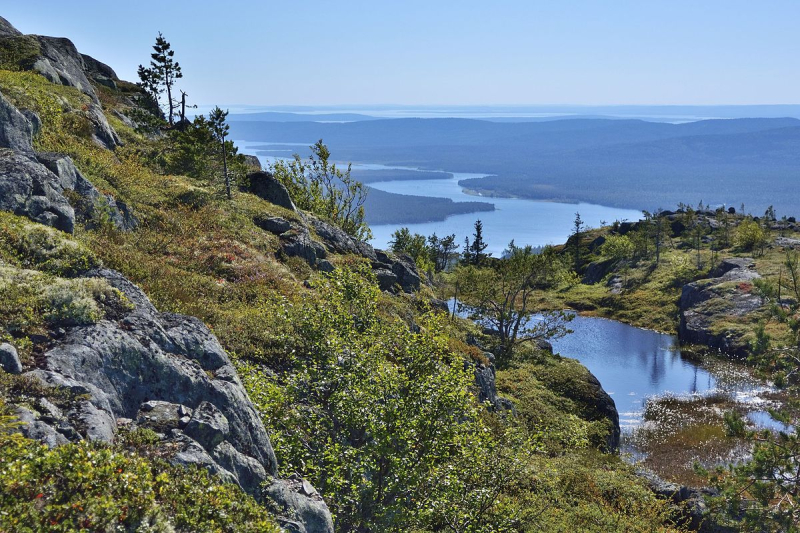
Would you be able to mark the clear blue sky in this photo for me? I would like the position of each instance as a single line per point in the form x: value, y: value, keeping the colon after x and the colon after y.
x: 447, y: 51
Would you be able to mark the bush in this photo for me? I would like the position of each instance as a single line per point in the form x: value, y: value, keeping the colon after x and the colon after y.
x: 91, y: 487
x: 750, y: 236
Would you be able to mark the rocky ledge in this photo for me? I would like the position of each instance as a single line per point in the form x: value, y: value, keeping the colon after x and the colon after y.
x: 711, y: 308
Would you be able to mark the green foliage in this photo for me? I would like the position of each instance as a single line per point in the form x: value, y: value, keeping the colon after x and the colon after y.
x: 161, y: 75
x: 380, y: 418
x: 761, y: 494
x: 320, y: 187
x: 19, y: 52
x: 31, y: 245
x: 474, y: 252
x: 750, y: 236
x: 500, y: 296
x: 619, y: 247
x: 90, y: 487
x: 403, y: 242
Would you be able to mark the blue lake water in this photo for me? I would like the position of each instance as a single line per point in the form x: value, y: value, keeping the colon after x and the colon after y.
x: 526, y: 221
x: 634, y: 364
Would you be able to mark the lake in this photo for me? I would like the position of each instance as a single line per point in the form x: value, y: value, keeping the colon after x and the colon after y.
x: 634, y: 364
x: 526, y: 221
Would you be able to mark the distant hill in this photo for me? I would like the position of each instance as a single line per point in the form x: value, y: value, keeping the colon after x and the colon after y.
x: 273, y: 116
x: 389, y: 208
x: 620, y: 162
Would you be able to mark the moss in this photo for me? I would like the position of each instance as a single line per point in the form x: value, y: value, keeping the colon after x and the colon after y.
x: 31, y: 301
x: 31, y: 245
x: 91, y: 487
x: 19, y: 52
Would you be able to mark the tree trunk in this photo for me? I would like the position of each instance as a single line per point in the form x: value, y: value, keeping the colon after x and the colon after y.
x: 225, y: 170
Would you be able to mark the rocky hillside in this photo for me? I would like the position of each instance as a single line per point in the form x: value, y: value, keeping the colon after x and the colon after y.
x: 256, y: 365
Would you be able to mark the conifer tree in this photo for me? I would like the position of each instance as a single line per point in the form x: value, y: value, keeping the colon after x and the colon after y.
x: 217, y: 120
x: 161, y: 74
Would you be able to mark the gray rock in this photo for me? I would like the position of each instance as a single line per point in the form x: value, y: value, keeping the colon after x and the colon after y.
x: 98, y: 424
x: 247, y: 471
x: 9, y: 359
x: 7, y: 30
x: 708, y: 302
x: 386, y: 278
x: 597, y: 270
x: 323, y: 265
x: 34, y: 119
x: 16, y: 131
x: 265, y: 186
x: 208, y: 426
x: 252, y: 162
x: 92, y: 205
x: 149, y: 356
x: 49, y: 412
x: 29, y: 189
x: 61, y: 63
x: 161, y: 417
x: 33, y: 428
x: 338, y: 241
x: 103, y: 134
x: 309, y: 511
x: 787, y: 242
x: 99, y: 72
x: 276, y: 225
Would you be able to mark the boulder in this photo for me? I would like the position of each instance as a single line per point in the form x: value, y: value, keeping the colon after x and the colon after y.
x: 252, y: 162
x: 149, y: 362
x: 302, y: 508
x: 265, y: 186
x: 9, y: 359
x: 597, y: 270
x: 16, y: 131
x: 92, y: 204
x: 276, y: 225
x: 709, y: 307
x: 7, y: 30
x: 28, y: 188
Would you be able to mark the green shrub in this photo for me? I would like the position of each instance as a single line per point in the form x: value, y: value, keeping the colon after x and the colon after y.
x: 91, y: 487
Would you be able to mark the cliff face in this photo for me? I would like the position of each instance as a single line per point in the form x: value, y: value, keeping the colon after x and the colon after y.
x: 123, y: 364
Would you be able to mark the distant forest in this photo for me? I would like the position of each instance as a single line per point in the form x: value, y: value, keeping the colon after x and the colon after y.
x: 390, y: 208
x: 624, y: 163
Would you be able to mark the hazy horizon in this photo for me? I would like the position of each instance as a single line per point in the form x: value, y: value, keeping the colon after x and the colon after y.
x: 422, y: 53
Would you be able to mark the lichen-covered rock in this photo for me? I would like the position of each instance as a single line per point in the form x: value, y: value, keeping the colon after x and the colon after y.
x: 92, y: 205
x: 162, y: 416
x: 7, y: 30
x: 302, y: 506
x: 99, y: 72
x: 265, y: 186
x: 28, y: 188
x: 9, y: 359
x: 146, y: 356
x: 710, y: 308
x: 16, y: 131
x: 61, y: 63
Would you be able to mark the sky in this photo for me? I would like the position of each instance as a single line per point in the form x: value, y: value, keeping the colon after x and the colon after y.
x: 438, y: 52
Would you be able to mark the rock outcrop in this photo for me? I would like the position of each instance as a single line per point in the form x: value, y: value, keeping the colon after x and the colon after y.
x: 16, y: 130
x: 710, y: 308
x: 35, y: 184
x: 59, y: 61
x: 393, y: 272
x: 165, y: 372
x: 7, y: 30
x: 28, y: 189
x: 265, y: 186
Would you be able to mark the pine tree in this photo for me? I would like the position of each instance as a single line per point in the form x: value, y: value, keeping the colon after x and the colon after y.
x: 217, y: 120
x: 478, y: 246
x: 161, y: 74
